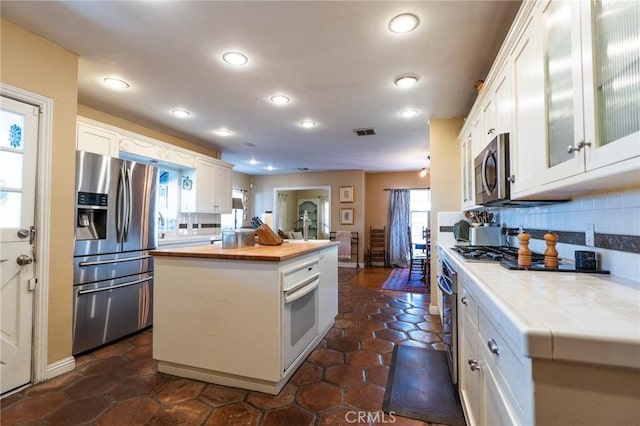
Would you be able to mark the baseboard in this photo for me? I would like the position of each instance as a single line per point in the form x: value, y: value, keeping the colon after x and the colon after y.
x: 60, y: 367
x: 347, y: 265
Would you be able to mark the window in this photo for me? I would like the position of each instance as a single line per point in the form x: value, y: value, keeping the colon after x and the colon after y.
x: 236, y: 218
x: 420, y: 211
x: 168, y: 199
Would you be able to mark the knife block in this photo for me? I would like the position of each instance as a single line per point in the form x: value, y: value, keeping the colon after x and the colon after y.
x: 267, y: 237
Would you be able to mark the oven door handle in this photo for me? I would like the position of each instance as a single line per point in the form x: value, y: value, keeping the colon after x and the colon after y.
x: 292, y: 296
x: 444, y: 284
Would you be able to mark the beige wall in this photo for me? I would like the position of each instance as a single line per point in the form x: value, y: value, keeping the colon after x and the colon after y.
x: 193, y: 145
x: 34, y: 64
x: 446, y: 177
x: 377, y: 202
x: 263, y: 187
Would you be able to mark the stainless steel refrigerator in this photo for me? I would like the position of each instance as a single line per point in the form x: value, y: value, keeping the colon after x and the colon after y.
x: 115, y: 227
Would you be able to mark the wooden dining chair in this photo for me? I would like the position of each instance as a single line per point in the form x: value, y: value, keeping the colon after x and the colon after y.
x: 418, y: 258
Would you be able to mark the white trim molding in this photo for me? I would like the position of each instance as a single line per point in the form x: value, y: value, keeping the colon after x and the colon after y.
x: 39, y: 368
x: 60, y: 367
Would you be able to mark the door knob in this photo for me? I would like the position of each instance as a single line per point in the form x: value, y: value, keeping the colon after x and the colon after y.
x: 24, y: 259
x: 23, y: 233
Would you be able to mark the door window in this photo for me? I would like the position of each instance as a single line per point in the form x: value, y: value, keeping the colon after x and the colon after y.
x: 11, y: 168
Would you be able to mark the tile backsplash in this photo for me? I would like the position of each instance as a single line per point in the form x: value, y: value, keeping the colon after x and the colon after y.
x: 616, y: 219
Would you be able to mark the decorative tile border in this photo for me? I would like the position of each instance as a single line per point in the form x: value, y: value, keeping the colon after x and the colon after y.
x: 626, y: 243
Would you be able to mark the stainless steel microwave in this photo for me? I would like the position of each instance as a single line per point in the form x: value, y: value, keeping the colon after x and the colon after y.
x: 492, y: 171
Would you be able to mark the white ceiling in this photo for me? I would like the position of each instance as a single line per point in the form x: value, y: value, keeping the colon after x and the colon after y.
x: 335, y: 59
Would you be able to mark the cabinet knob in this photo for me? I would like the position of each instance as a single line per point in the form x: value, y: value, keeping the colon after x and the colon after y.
x: 474, y: 364
x: 464, y: 300
x: 493, y: 346
x: 511, y: 178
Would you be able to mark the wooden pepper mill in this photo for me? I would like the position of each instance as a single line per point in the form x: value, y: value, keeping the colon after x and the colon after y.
x: 551, y: 254
x: 524, y: 254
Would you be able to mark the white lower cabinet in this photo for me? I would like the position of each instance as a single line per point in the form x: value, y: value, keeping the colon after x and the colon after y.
x: 494, y: 382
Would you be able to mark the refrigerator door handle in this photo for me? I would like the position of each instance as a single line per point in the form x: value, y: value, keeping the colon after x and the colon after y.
x: 130, y: 283
x: 127, y: 176
x: 120, y: 207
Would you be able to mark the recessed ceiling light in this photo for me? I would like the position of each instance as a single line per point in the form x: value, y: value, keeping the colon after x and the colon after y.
x: 223, y: 132
x: 406, y: 80
x: 407, y: 113
x: 403, y: 23
x: 307, y: 124
x: 115, y: 83
x: 235, y: 58
x: 179, y: 112
x: 280, y: 99
x: 270, y: 168
x: 253, y: 162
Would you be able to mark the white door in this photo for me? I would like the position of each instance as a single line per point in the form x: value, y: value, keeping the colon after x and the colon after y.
x: 18, y: 157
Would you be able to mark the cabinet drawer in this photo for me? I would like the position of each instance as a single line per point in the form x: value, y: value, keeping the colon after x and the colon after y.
x: 468, y: 307
x: 299, y: 273
x: 512, y: 371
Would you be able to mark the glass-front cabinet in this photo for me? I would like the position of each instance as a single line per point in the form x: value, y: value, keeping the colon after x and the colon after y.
x: 592, y: 75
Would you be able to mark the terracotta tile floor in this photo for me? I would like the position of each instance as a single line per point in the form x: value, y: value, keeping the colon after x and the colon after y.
x: 346, y: 374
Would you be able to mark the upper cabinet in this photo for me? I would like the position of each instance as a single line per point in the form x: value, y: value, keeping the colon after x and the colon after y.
x: 207, y: 188
x: 526, y: 142
x: 566, y: 87
x: 96, y: 140
x: 206, y: 181
x: 592, y: 69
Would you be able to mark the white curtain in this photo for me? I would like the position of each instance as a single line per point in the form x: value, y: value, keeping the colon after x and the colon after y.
x: 398, y: 225
x: 323, y: 218
x: 281, y: 210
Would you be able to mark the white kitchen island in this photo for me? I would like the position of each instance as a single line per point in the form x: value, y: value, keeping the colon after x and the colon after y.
x: 220, y: 314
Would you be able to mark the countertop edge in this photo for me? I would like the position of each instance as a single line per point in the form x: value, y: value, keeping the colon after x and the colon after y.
x: 254, y: 253
x: 537, y: 340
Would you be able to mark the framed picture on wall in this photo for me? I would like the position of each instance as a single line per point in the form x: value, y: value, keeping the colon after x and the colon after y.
x: 346, y: 216
x: 346, y: 194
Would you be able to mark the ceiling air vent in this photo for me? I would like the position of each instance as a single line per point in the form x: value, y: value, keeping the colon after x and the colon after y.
x: 365, y: 132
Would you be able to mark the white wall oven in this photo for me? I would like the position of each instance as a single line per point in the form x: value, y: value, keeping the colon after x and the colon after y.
x: 299, y: 308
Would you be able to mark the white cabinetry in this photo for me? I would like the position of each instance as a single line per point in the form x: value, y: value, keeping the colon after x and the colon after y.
x: 207, y: 188
x: 566, y: 86
x: 494, y: 381
x: 198, y: 332
x: 526, y: 141
x: 96, y: 140
x: 591, y: 63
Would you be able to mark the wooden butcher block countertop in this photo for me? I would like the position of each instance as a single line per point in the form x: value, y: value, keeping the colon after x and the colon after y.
x: 264, y: 253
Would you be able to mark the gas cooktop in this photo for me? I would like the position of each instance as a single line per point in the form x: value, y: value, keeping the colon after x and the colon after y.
x: 508, y: 258
x: 493, y: 253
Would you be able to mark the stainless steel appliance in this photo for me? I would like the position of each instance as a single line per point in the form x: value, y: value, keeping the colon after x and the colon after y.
x: 491, y: 171
x: 448, y: 284
x: 507, y: 257
x: 115, y: 229
x: 300, y: 308
x: 493, y: 179
x: 486, y: 236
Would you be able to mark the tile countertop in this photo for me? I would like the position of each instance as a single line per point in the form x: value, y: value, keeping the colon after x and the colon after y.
x: 257, y: 252
x: 559, y: 315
